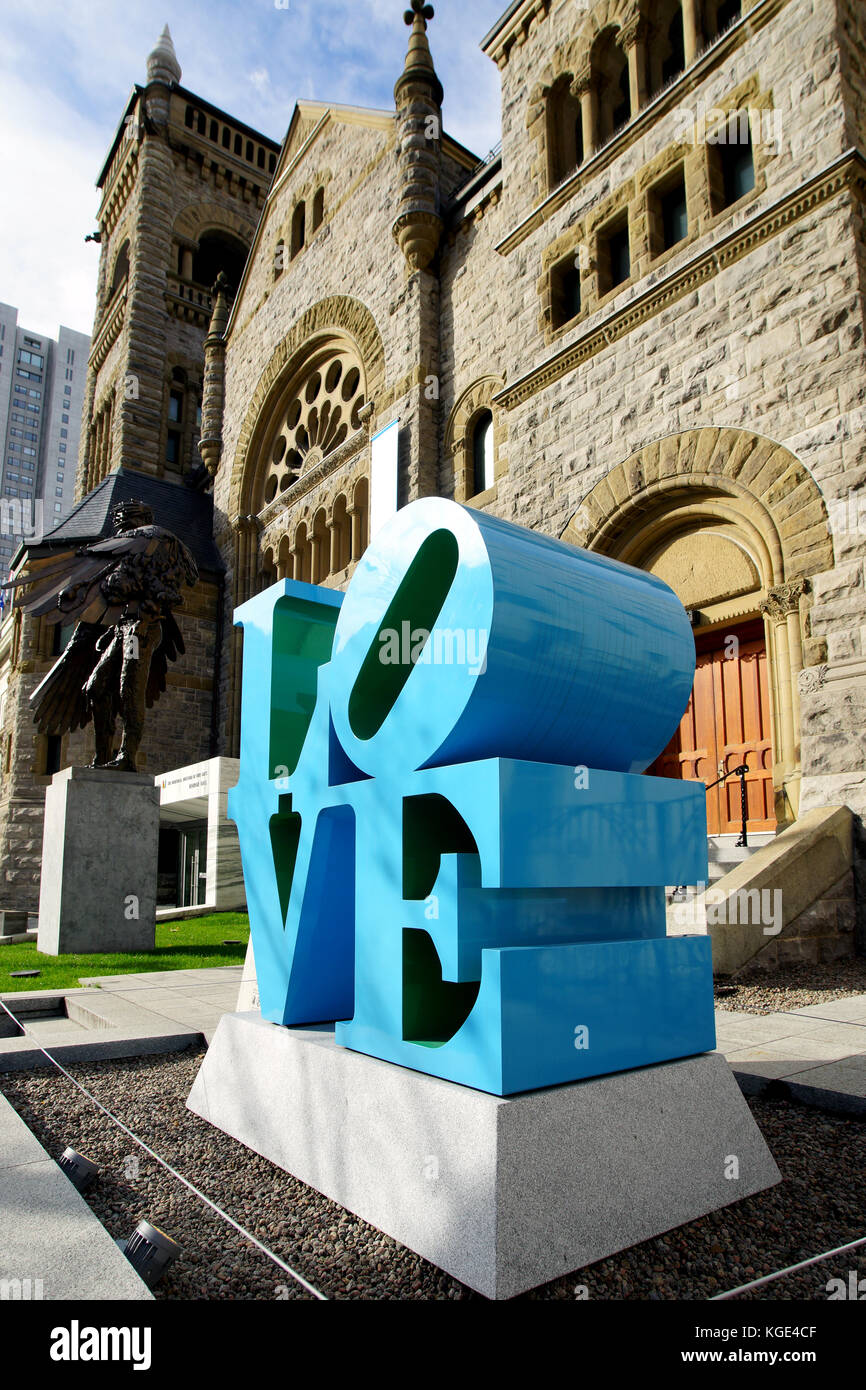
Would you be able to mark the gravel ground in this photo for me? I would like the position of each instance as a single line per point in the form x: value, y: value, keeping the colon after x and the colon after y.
x: 792, y: 986
x: 819, y: 1204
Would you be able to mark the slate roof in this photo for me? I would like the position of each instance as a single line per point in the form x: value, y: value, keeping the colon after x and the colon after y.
x: 189, y: 514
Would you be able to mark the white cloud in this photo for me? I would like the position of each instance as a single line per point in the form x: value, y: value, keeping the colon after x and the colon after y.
x: 47, y: 164
x: 261, y: 80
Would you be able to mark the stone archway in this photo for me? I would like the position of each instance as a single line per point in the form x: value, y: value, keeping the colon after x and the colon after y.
x: 736, y: 525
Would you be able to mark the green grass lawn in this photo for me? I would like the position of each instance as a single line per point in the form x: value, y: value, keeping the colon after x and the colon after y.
x: 188, y: 945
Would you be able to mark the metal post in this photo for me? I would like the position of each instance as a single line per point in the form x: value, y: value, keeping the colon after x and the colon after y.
x: 741, y: 773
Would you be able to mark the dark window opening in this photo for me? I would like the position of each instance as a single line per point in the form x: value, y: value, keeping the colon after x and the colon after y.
x: 614, y: 258
x: 121, y: 269
x: 564, y: 292
x: 564, y: 131
x: 727, y: 13
x: 732, y: 166
x: 669, y: 219
x: 299, y: 228
x: 622, y: 110
x: 53, y: 754
x: 219, y: 251
x: 675, y: 60
x: 482, y: 454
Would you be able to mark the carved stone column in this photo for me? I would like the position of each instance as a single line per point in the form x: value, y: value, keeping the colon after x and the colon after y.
x: 692, y: 36
x: 334, y: 528
x: 582, y: 87
x: 633, y: 35
x: 781, y: 610
x: 355, y: 514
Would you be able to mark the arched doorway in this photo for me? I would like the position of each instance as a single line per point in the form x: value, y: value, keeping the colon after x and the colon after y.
x: 735, y: 524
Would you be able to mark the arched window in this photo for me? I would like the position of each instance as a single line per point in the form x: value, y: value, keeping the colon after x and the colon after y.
x: 318, y: 411
x: 183, y: 421
x: 482, y: 453
x: 121, y: 269
x: 299, y: 228
x: 719, y: 15
x: 303, y: 555
x: 318, y: 209
x: 268, y: 574
x: 219, y: 251
x: 564, y: 131
x: 611, y: 80
x: 360, y: 518
x: 667, y: 55
x: 321, y: 547
x: 341, y: 549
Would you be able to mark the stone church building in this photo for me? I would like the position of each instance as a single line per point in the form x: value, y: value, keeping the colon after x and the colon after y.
x: 638, y: 327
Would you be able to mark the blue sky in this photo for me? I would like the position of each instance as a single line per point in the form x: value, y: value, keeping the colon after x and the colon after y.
x: 67, y: 66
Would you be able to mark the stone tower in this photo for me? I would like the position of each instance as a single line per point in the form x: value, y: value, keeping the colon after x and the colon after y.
x: 181, y: 188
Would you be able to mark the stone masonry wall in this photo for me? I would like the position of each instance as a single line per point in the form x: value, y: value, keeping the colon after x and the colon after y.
x: 824, y: 932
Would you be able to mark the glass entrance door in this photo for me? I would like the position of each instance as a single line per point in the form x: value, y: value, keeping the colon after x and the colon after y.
x: 193, y: 864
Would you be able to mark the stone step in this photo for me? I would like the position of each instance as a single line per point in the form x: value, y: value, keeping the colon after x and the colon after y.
x: 723, y: 849
x: 723, y: 854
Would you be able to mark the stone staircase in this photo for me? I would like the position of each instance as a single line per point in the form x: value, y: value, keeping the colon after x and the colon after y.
x: 787, y: 898
x: 723, y: 854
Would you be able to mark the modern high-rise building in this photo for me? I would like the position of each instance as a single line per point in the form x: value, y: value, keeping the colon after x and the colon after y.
x: 42, y: 384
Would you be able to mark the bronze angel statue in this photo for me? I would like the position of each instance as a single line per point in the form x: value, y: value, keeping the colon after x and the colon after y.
x: 120, y: 592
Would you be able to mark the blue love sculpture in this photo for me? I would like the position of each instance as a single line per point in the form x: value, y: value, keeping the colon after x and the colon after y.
x: 447, y: 845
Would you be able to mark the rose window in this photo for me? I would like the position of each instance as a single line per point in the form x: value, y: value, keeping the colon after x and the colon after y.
x: 320, y: 412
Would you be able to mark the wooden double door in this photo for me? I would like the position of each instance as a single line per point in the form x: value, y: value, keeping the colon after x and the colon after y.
x: 727, y: 724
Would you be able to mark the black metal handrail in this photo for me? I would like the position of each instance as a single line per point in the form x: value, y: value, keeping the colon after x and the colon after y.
x: 741, y: 773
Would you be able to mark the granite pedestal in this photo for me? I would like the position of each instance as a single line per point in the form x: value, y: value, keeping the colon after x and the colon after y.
x: 504, y: 1194
x: 99, y: 862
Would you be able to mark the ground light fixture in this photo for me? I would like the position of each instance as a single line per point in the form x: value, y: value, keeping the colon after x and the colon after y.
x: 150, y: 1252
x: 80, y: 1171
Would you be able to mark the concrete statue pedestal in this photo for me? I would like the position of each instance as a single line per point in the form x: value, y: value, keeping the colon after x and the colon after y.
x: 503, y: 1194
x: 99, y: 862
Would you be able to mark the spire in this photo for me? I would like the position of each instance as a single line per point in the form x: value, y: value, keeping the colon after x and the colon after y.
x: 418, y: 68
x: 162, y: 64
x: 418, y: 98
x: 220, y: 314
